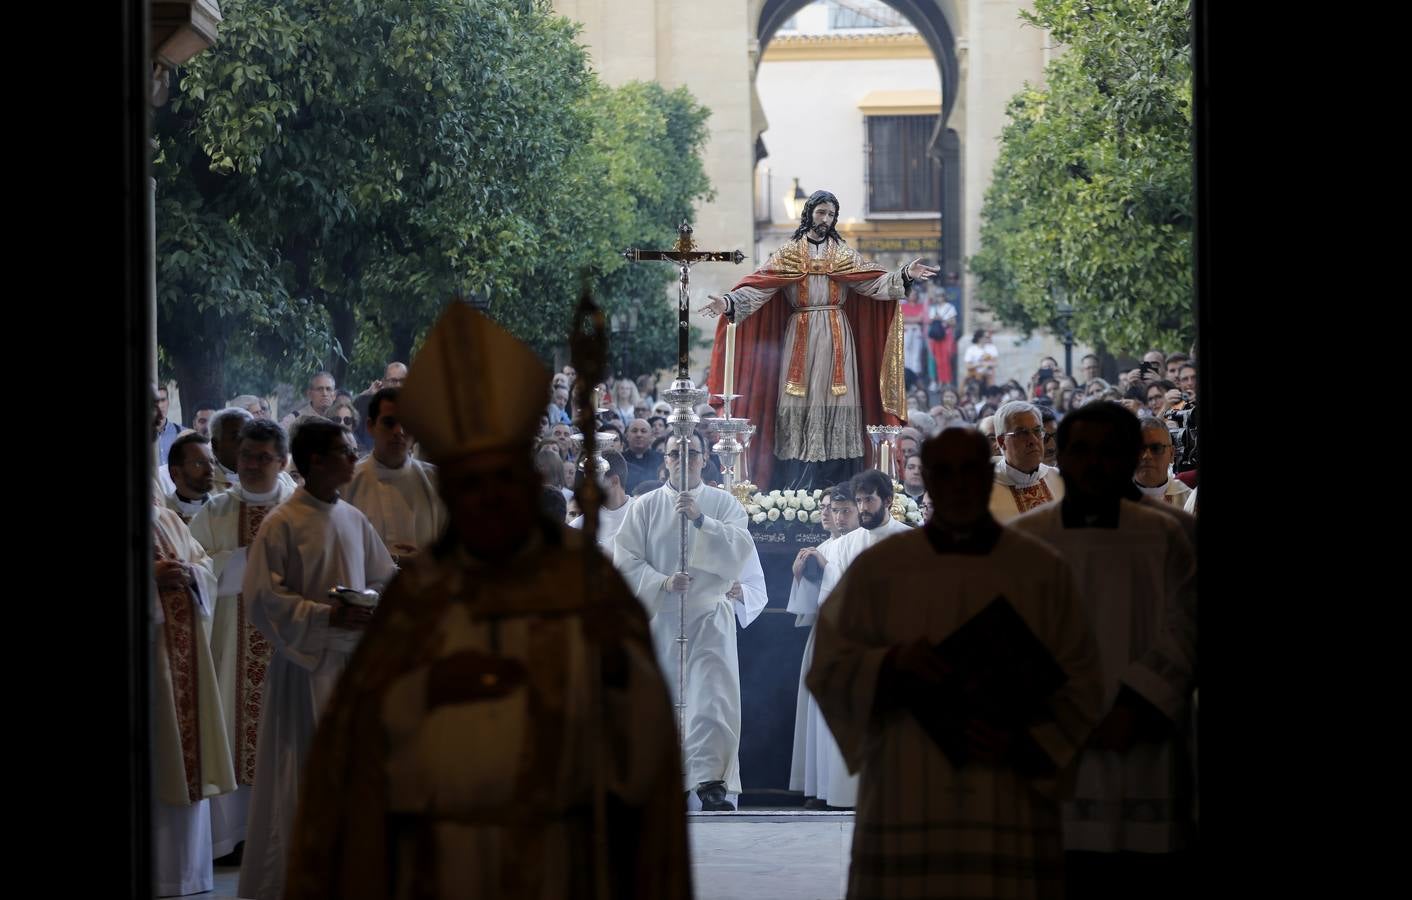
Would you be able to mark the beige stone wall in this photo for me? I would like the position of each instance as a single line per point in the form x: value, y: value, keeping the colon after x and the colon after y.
x: 711, y: 49
x: 707, y: 48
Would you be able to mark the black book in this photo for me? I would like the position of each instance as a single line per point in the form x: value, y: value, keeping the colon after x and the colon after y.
x: 998, y: 672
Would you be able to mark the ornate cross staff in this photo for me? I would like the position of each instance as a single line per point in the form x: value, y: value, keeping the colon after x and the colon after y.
x: 588, y: 345
x: 684, y: 396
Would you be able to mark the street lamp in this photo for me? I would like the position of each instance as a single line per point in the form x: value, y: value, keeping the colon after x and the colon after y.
x: 476, y: 300
x: 1065, y: 313
x: 623, y: 323
x: 794, y: 201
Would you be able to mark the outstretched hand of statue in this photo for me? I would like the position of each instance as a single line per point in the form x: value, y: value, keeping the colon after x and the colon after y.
x: 919, y: 272
x: 715, y: 307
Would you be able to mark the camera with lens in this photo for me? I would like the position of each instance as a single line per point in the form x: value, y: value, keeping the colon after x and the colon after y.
x: 1181, y: 421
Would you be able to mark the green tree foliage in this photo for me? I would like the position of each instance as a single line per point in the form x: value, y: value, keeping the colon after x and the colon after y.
x: 332, y: 171
x: 1092, y: 191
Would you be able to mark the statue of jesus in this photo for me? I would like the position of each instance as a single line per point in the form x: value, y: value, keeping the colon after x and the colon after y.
x: 798, y: 361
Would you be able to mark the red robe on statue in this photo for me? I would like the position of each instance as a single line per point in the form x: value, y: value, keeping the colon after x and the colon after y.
x: 877, y: 333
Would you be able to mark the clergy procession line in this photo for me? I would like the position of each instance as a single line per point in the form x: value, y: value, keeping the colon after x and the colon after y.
x: 398, y: 674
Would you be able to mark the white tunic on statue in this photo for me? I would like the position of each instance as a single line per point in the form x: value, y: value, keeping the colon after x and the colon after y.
x: 304, y: 548
x: 822, y: 759
x: 647, y: 553
x: 1134, y: 580
x: 403, y: 504
x: 181, y: 829
x: 1016, y: 493
x: 217, y: 528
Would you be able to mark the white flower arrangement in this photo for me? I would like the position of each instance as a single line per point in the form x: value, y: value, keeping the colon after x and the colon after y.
x: 904, y: 508
x: 819, y: 494
x: 816, y: 516
x: 773, y: 515
x: 767, y: 503
x: 758, y: 518
x: 789, y: 493
x: 752, y: 510
x: 808, y: 504
x: 793, y: 502
x: 789, y: 513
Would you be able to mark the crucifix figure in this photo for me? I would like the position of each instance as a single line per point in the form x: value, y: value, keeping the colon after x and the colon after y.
x: 681, y: 548
x: 684, y: 254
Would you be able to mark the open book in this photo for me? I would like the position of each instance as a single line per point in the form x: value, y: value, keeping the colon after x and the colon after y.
x: 998, y: 672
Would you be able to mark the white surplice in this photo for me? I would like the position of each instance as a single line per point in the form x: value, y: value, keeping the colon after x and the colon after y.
x: 647, y: 553
x: 1136, y: 580
x: 403, y: 504
x: 304, y: 548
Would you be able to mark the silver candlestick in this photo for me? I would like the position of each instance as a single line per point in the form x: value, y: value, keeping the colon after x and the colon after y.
x: 884, y: 438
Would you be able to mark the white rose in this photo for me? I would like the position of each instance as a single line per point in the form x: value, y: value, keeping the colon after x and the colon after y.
x: 767, y: 502
x: 808, y: 503
x: 776, y: 494
x: 789, y: 514
x: 819, y: 494
x: 793, y: 502
x: 789, y: 493
x: 774, y: 515
x: 816, y: 517
x: 757, y: 498
x: 752, y: 509
x: 915, y: 518
x: 759, y: 519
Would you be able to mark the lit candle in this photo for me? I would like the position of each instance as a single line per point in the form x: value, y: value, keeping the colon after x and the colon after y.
x: 730, y: 359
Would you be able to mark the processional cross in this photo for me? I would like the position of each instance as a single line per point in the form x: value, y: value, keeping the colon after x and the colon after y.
x: 684, y: 396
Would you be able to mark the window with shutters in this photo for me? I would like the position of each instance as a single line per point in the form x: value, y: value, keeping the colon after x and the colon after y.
x: 901, y: 177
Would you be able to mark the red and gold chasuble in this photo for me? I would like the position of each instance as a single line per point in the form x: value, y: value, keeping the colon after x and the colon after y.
x: 1032, y: 497
x: 179, y: 635
x: 252, y: 660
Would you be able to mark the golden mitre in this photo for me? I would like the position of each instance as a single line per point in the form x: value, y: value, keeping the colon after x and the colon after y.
x: 473, y: 387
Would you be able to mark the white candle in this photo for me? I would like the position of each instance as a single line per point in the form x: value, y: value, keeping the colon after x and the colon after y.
x: 730, y: 358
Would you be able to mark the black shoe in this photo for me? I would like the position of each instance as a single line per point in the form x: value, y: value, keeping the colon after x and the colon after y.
x: 713, y: 797
x: 814, y: 803
x: 232, y: 858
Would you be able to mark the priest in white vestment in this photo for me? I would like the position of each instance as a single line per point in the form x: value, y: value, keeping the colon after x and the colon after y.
x: 1022, y: 481
x: 396, y: 492
x: 836, y: 786
x: 814, y: 747
x: 648, y: 553
x: 309, y: 544
x: 503, y: 730
x: 191, y: 755
x: 190, y: 466
x: 987, y: 826
x: 1154, y: 476
x: 1129, y: 820
x: 616, y: 501
x: 225, y: 527
x: 226, y: 426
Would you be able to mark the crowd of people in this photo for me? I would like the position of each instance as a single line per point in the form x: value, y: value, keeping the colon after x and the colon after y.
x: 395, y: 565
